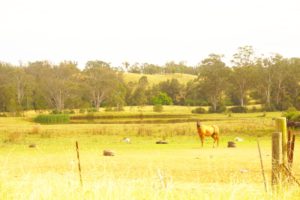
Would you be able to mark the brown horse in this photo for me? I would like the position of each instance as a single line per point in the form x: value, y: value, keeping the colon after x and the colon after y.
x: 206, y: 130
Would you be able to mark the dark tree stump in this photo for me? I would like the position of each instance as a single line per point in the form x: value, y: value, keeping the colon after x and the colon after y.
x: 231, y: 144
x: 108, y: 153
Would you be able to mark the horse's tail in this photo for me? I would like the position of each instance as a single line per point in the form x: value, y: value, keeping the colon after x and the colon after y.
x: 216, y: 129
x: 198, y: 124
x: 215, y: 134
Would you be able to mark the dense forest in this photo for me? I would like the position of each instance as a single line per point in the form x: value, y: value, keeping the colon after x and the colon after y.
x: 271, y: 81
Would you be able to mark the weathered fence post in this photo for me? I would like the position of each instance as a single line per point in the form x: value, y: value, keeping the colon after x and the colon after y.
x: 262, y: 166
x: 79, y: 166
x: 276, y: 159
x: 280, y: 126
x: 291, y: 155
x: 291, y: 145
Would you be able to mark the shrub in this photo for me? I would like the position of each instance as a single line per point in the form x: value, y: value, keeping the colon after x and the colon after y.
x: 158, y: 108
x: 199, y: 110
x: 292, y: 114
x: 254, y: 109
x: 108, y: 109
x: 52, y: 119
x: 239, y: 109
x: 220, y: 109
x: 69, y: 112
x: 91, y: 110
x: 3, y: 115
x: 269, y: 108
x: 55, y: 112
x: 82, y: 111
x: 14, y: 137
x: 35, y: 130
x: 162, y: 98
x: 295, y: 117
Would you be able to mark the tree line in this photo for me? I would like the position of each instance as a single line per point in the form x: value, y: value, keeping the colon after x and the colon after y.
x: 271, y: 81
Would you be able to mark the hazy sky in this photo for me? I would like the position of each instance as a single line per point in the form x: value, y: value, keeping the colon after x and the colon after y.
x: 154, y: 31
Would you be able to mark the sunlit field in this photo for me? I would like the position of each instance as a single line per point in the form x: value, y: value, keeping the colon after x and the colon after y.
x: 141, y: 169
x: 156, y: 78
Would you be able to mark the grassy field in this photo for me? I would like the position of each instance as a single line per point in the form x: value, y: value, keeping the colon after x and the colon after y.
x: 142, y: 169
x: 157, y: 78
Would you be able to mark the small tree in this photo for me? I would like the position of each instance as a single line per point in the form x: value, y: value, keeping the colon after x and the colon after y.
x: 162, y: 99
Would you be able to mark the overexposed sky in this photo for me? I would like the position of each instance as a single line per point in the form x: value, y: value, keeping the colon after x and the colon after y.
x: 153, y: 31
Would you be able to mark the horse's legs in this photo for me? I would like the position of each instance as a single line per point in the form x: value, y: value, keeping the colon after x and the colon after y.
x: 216, y: 140
x: 202, y: 140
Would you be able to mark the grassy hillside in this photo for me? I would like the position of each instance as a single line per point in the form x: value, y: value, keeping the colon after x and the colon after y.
x: 156, y: 78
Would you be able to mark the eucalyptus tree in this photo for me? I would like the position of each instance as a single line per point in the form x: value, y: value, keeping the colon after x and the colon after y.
x: 139, y: 94
x: 54, y: 82
x: 243, y: 68
x: 213, y: 79
x: 101, y: 81
x: 282, y: 71
x: 6, y: 93
x: 39, y: 71
x: 173, y: 89
x: 23, y: 86
x: 292, y: 83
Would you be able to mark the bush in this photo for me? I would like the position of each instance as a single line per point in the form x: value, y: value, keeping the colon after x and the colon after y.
x: 108, y: 109
x: 199, y: 110
x: 91, y: 110
x: 220, y: 109
x: 3, y: 115
x: 52, y: 119
x: 292, y: 114
x: 239, y: 109
x: 296, y: 117
x: 82, y: 111
x: 162, y: 99
x: 254, y: 109
x: 35, y: 130
x: 14, y: 137
x: 55, y: 112
x: 158, y: 108
x: 269, y: 108
x: 69, y: 112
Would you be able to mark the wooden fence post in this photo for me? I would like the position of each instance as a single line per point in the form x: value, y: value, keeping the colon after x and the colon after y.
x: 79, y: 166
x: 276, y: 159
x: 280, y: 126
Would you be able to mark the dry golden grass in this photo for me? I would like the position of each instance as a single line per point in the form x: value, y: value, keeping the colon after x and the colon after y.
x: 142, y: 169
x: 157, y: 78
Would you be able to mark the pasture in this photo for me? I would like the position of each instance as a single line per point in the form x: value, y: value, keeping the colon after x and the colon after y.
x: 142, y: 169
x: 156, y: 78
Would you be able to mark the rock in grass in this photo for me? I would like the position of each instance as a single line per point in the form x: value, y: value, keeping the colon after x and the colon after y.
x: 108, y: 153
x: 231, y: 144
x: 32, y: 145
x: 161, y: 142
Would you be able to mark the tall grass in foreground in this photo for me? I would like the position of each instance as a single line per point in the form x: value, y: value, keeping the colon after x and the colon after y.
x: 52, y: 119
x: 57, y: 186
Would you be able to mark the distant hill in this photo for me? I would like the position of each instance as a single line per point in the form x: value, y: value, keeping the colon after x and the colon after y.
x: 157, y: 78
